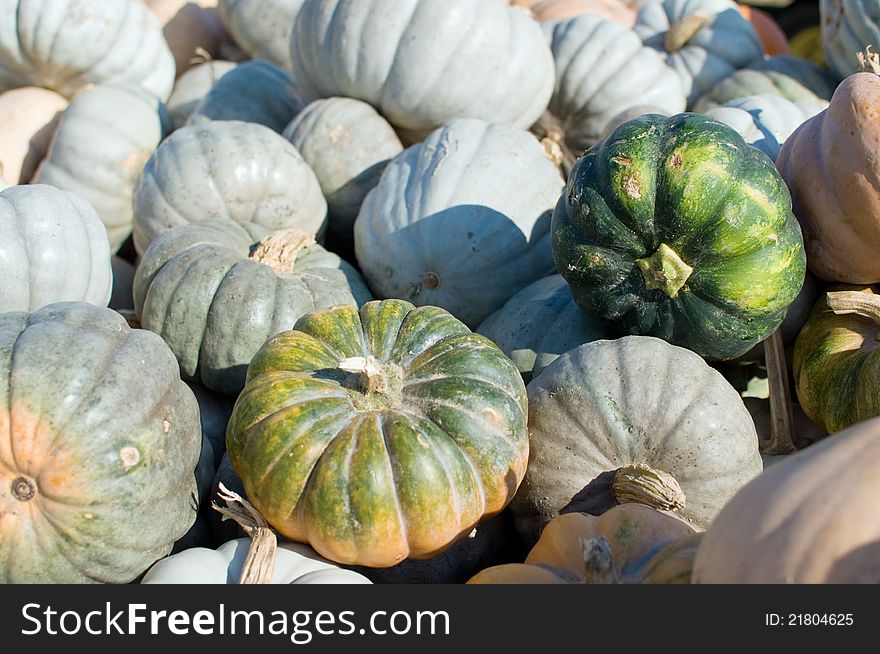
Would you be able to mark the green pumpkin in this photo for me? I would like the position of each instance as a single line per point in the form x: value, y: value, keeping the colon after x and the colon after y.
x: 675, y: 228
x: 380, y: 434
x: 836, y: 361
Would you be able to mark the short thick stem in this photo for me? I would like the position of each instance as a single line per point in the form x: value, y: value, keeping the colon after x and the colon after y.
x: 866, y: 305
x: 683, y: 31
x: 781, y: 409
x: 598, y: 561
x: 665, y: 270
x: 259, y: 564
x: 280, y: 249
x: 372, y: 377
x: 642, y: 484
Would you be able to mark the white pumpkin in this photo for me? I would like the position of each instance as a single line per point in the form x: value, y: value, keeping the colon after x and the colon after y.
x: 347, y: 143
x: 192, y: 86
x: 262, y: 27
x: 64, y: 45
x: 28, y: 118
x: 423, y: 63
x: 101, y: 144
x: 294, y: 564
x: 461, y: 220
x: 602, y: 68
x: 53, y: 248
x: 848, y: 26
x: 191, y: 28
x: 226, y: 169
x: 703, y: 40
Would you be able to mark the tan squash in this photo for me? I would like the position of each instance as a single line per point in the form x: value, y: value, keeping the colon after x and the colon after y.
x: 831, y: 166
x: 553, y: 10
x: 630, y: 544
x: 28, y: 117
x: 193, y: 30
x: 810, y: 518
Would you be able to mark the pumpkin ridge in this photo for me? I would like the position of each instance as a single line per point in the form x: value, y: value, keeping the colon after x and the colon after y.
x: 395, y: 491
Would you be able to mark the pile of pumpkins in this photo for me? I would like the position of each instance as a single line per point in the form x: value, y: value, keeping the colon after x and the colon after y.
x: 437, y: 291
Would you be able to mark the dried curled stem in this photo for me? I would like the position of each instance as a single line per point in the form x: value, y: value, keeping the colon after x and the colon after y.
x: 641, y: 484
x: 869, y: 62
x: 781, y: 409
x: 280, y: 249
x: 683, y: 31
x: 259, y: 564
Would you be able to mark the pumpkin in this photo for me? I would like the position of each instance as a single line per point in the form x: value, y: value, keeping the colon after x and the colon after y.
x: 28, y: 118
x: 216, y: 290
x: 772, y: 37
x: 674, y: 227
x: 764, y: 121
x: 226, y: 169
x: 347, y: 143
x: 602, y: 68
x: 703, y: 40
x: 375, y: 50
x: 633, y: 420
x: 629, y: 544
x: 190, y: 28
x: 460, y: 221
x: 830, y: 166
x: 253, y: 91
x: 848, y: 28
x: 836, y: 361
x: 53, y: 248
x: 555, y: 10
x: 408, y: 428
x: 540, y: 323
x: 102, y: 142
x: 810, y: 518
x: 98, y: 456
x: 191, y: 87
x: 262, y: 27
x: 66, y: 45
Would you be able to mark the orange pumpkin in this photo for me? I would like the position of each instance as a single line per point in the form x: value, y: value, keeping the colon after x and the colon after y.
x: 771, y: 35
x: 28, y: 117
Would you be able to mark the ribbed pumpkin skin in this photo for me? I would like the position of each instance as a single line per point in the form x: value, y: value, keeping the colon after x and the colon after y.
x: 424, y: 63
x: 602, y: 69
x: 215, y: 307
x: 539, y: 324
x: 633, y: 400
x: 836, y: 366
x: 192, y: 86
x: 109, y: 441
x: 103, y: 140
x: 226, y: 169
x: 53, y: 248
x: 847, y: 28
x: 262, y: 27
x: 373, y: 477
x: 692, y: 184
x: 347, y: 143
x: 749, y: 81
x: 812, y: 518
x: 254, y: 92
x: 638, y: 536
x: 461, y: 220
x: 726, y: 43
x: 64, y: 45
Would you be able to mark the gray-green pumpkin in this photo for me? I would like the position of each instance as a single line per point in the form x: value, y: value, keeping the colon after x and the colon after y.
x: 99, y: 439
x: 217, y: 290
x: 261, y: 27
x: 192, y: 86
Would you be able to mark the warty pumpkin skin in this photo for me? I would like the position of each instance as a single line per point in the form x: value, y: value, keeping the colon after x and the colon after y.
x: 424, y: 63
x: 830, y: 164
x: 65, y: 45
x: 848, y: 27
x: 836, y: 362
x: 539, y: 324
x: 811, y: 518
x: 192, y: 86
x: 675, y: 228
x: 704, y: 41
x: 216, y: 290
x: 103, y: 140
x: 379, y: 435
x: 602, y: 69
x: 461, y: 220
x: 28, y: 118
x: 226, y: 169
x: 98, y: 457
x: 633, y: 417
x: 629, y: 544
x: 262, y: 27
x: 53, y: 248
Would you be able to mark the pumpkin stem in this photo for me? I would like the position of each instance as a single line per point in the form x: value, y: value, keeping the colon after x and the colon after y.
x: 869, y: 62
x: 280, y: 249
x: 684, y: 30
x: 259, y: 564
x: 548, y: 130
x: 641, y: 484
x: 201, y: 56
x: 866, y: 305
x: 373, y: 377
x: 781, y: 409
x: 665, y: 270
x: 598, y: 559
